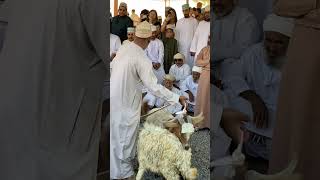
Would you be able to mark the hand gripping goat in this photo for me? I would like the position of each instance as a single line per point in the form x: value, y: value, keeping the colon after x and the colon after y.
x: 162, y: 151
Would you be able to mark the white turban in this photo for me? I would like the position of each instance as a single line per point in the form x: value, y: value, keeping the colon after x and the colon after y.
x: 197, y: 69
x: 178, y: 56
x: 143, y: 30
x: 279, y: 24
x: 130, y: 30
x: 185, y: 7
x: 169, y: 77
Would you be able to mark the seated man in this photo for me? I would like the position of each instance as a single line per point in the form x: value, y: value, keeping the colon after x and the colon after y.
x: 153, y: 101
x: 254, y: 84
x: 130, y: 35
x: 190, y: 86
x: 180, y: 70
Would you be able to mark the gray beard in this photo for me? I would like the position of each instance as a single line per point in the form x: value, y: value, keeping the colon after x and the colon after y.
x: 278, y: 62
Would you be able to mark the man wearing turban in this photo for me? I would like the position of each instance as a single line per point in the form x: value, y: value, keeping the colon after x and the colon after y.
x: 255, y: 78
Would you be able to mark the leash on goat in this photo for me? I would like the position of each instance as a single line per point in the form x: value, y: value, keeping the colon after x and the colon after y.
x: 184, y: 110
x: 156, y: 111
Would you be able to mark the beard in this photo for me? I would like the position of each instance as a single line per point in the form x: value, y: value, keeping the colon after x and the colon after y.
x: 277, y: 62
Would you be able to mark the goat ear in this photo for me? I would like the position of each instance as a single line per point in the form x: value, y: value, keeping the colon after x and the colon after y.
x: 170, y: 124
x: 197, y: 119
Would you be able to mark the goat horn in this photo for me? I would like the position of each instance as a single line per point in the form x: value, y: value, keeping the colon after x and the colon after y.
x: 170, y: 124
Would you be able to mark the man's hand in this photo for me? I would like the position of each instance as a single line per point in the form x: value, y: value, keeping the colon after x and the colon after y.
x: 182, y: 100
x: 231, y: 122
x: 192, y: 53
x: 156, y: 66
x: 260, y: 113
x: 259, y: 109
x: 191, y: 97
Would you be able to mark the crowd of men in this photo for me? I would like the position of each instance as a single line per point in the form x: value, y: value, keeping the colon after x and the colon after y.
x: 155, y: 64
x: 246, y: 77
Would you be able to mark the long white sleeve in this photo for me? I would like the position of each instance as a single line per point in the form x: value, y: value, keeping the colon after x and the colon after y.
x: 178, y: 29
x: 183, y: 86
x: 237, y: 75
x: 145, y: 72
x: 117, y: 44
x: 195, y: 39
x: 161, y: 53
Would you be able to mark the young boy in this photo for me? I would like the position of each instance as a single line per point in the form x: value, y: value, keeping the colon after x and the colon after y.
x: 155, y: 52
x: 180, y: 70
x: 170, y: 47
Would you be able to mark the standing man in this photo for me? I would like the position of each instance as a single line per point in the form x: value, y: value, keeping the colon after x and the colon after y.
x: 155, y: 52
x: 50, y: 106
x: 234, y: 30
x: 297, y: 128
x: 135, y: 18
x: 121, y: 22
x: 200, y: 39
x: 132, y: 70
x: 185, y: 29
x: 199, y: 5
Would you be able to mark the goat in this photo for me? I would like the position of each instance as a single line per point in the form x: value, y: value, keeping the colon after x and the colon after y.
x: 162, y: 151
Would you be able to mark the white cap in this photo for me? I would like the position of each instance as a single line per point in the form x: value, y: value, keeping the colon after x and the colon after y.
x: 169, y: 77
x: 153, y: 28
x: 197, y: 69
x: 185, y: 7
x: 143, y: 30
x: 130, y: 30
x: 279, y: 24
x: 178, y: 56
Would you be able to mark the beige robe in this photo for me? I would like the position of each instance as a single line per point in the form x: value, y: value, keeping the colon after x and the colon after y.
x: 203, y: 95
x: 298, y: 123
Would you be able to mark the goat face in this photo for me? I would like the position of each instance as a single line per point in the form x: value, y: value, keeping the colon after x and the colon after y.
x: 183, y: 127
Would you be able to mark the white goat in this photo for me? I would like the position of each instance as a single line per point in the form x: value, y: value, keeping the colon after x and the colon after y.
x: 161, y: 151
